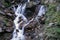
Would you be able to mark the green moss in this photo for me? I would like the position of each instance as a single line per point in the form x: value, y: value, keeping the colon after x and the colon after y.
x: 52, y: 16
x: 6, y: 4
x: 53, y: 32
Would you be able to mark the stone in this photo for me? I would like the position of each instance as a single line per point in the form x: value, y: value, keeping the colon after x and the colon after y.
x: 9, y: 29
x: 50, y: 24
x: 49, y: 1
x: 1, y: 29
x: 9, y: 14
x: 58, y: 8
x: 30, y: 4
x: 1, y: 12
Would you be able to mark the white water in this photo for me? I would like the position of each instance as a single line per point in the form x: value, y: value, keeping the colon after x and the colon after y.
x: 28, y: 0
x: 18, y: 33
x: 41, y: 12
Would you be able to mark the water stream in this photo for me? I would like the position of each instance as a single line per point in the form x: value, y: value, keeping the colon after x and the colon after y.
x: 28, y: 0
x: 18, y: 33
x: 41, y: 12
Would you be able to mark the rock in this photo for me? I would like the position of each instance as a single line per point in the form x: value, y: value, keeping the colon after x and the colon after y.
x: 41, y: 34
x: 9, y: 29
x: 37, y: 9
x: 32, y: 24
x: 49, y: 1
x: 30, y: 11
x: 1, y: 18
x: 1, y: 26
x: 37, y: 1
x: 1, y: 29
x: 2, y: 13
x: 42, y: 20
x: 50, y: 24
x: 46, y: 1
x: 58, y: 8
x: 9, y: 14
x: 6, y: 24
x: 30, y: 4
x: 1, y: 3
x: 36, y: 36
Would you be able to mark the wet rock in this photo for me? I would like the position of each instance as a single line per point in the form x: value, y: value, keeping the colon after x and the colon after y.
x: 42, y: 20
x: 1, y: 12
x: 37, y: 9
x: 1, y: 29
x: 9, y: 29
x: 9, y: 14
x: 30, y: 10
x: 30, y: 4
x: 2, y: 24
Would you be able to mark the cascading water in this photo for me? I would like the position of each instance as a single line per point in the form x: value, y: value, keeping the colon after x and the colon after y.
x: 41, y: 12
x: 28, y: 0
x: 18, y: 33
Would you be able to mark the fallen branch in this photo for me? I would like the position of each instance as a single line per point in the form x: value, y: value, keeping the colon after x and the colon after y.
x: 29, y: 22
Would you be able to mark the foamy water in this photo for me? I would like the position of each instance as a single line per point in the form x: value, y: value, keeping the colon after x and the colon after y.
x: 18, y: 33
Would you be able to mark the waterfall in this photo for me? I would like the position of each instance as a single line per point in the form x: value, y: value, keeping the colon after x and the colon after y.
x: 28, y: 0
x: 41, y: 12
x: 18, y: 33
x: 19, y: 12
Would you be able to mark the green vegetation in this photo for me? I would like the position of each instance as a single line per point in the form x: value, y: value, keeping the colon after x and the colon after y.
x: 52, y: 16
x: 7, y: 3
